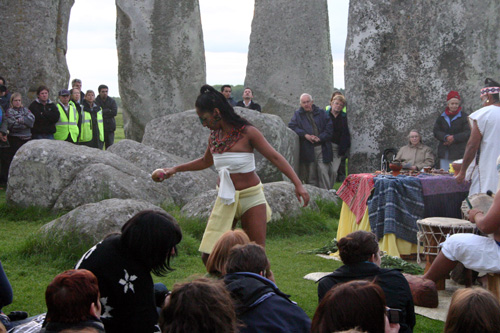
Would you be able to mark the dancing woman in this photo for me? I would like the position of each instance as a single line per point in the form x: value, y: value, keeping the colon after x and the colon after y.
x: 230, y: 147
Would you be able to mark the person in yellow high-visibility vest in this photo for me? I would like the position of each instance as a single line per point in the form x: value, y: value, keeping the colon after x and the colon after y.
x: 92, y: 127
x: 67, y: 126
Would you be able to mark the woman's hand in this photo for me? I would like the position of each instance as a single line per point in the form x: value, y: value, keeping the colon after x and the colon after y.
x: 301, y: 192
x: 160, y: 175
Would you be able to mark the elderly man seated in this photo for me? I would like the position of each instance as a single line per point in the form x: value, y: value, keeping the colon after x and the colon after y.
x: 478, y: 253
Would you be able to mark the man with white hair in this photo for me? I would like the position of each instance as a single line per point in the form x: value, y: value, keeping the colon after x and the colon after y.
x: 315, y: 130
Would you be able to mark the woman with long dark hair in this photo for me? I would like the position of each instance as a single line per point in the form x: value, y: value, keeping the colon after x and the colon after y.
x: 230, y: 147
x: 123, y: 264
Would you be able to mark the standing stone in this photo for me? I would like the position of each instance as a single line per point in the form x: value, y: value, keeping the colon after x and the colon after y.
x: 402, y: 59
x: 161, y: 59
x: 33, y: 45
x: 289, y: 54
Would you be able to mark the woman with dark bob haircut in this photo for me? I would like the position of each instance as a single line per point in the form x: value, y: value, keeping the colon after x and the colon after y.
x: 231, y: 146
x: 202, y: 305
x: 355, y: 304
x: 473, y: 310
x: 123, y: 264
x: 359, y: 252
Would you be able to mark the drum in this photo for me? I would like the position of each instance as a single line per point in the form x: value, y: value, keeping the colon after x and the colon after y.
x: 435, y: 230
x: 480, y: 201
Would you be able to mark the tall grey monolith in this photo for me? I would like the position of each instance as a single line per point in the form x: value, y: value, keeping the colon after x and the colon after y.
x: 33, y: 45
x: 289, y: 54
x: 161, y: 59
x: 403, y: 57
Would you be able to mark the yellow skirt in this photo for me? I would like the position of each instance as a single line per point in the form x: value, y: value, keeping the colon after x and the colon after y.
x: 222, y: 216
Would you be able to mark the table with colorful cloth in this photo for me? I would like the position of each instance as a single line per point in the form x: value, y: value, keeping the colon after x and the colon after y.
x: 390, y: 206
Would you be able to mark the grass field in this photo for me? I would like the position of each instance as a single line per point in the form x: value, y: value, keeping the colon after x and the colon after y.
x: 31, y: 264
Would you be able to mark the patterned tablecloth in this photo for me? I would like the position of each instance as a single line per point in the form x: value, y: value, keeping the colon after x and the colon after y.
x: 396, y: 203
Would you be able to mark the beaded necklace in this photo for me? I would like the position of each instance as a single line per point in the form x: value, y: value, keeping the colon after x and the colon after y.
x: 221, y: 145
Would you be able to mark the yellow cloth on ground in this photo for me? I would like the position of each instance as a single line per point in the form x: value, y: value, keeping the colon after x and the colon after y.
x: 222, y: 217
x: 389, y: 243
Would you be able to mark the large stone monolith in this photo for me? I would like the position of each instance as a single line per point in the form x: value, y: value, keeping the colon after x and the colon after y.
x: 403, y: 57
x: 289, y: 54
x: 33, y: 45
x: 161, y: 59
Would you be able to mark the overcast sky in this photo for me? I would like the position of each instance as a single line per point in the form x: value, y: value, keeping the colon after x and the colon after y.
x: 92, y: 54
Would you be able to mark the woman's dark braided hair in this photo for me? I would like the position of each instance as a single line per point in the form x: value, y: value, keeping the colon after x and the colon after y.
x: 210, y: 99
x: 492, y: 83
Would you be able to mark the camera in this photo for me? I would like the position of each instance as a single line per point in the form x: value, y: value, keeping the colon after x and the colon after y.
x: 393, y: 315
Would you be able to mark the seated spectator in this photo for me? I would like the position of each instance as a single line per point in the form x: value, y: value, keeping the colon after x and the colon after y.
x: 415, y: 155
x: 217, y: 259
x: 186, y: 308
x: 20, y: 120
x: 259, y: 302
x: 247, y: 101
x: 72, y: 300
x: 46, y: 115
x: 473, y: 310
x: 123, y: 264
x: 359, y: 252
x: 92, y: 127
x: 6, y: 296
x: 355, y: 304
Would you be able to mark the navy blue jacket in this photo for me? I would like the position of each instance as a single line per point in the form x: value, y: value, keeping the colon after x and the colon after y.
x: 263, y: 307
x: 300, y: 124
x: 345, y: 136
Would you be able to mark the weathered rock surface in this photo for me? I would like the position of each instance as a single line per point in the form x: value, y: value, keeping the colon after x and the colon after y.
x: 183, y: 187
x: 161, y: 59
x: 34, y: 45
x: 62, y: 176
x: 280, y: 196
x: 96, y: 220
x: 403, y: 57
x: 281, y: 66
x: 182, y: 134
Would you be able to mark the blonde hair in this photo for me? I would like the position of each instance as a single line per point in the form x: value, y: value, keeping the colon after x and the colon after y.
x: 338, y: 98
x: 217, y: 260
x: 14, y: 95
x: 473, y: 310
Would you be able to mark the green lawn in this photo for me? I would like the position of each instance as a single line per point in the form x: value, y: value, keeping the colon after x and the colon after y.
x: 31, y: 264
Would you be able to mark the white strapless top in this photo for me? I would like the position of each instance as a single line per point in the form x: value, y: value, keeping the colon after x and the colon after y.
x: 227, y: 163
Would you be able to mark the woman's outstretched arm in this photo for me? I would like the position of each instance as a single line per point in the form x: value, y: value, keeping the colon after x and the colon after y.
x: 199, y: 164
x: 259, y: 142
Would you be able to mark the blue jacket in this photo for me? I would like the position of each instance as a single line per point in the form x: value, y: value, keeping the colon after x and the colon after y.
x: 300, y: 124
x: 345, y: 136
x: 263, y: 307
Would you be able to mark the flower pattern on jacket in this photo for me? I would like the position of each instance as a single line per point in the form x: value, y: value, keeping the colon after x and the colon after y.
x: 127, y: 282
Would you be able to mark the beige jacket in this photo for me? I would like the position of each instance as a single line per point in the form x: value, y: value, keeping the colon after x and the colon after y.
x: 420, y: 155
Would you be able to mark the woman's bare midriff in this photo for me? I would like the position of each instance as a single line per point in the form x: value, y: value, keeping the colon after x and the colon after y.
x: 243, y: 181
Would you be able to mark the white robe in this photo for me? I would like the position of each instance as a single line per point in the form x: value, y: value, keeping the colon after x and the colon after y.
x: 484, y: 176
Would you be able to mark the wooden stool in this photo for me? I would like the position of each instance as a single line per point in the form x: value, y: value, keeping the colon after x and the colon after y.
x: 494, y: 284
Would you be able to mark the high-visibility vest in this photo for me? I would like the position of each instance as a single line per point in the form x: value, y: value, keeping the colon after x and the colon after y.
x: 67, y: 124
x: 86, y: 126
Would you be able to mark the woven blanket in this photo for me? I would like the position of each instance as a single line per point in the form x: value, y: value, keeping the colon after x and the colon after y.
x: 396, y: 205
x: 441, y: 184
x: 355, y: 191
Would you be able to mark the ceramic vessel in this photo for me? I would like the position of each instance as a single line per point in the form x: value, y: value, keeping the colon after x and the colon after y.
x: 396, y: 168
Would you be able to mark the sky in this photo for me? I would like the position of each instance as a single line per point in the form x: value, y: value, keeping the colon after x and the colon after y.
x: 92, y: 55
